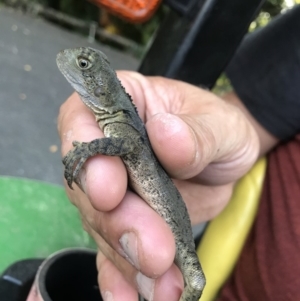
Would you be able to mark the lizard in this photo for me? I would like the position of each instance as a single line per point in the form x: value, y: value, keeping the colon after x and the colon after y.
x: 91, y: 75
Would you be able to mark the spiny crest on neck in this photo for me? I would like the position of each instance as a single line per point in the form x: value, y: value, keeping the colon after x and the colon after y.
x: 129, y: 96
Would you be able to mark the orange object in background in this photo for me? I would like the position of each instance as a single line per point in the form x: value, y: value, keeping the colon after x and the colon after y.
x: 134, y: 11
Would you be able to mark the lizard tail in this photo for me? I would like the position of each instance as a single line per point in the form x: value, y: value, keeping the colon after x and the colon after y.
x: 193, y: 275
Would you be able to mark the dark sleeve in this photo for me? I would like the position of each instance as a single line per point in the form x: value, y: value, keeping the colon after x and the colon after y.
x: 265, y: 73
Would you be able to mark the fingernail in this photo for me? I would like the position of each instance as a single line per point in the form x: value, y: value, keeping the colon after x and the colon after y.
x: 129, y: 245
x: 145, y: 286
x: 171, y: 124
x: 107, y: 296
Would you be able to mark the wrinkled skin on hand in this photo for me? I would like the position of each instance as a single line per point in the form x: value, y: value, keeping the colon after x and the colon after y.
x: 203, y: 142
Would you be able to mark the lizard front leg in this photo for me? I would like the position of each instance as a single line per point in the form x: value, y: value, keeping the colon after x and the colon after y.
x: 76, y: 157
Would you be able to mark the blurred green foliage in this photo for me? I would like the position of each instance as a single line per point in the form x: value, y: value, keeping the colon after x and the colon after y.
x: 270, y: 9
x: 141, y: 33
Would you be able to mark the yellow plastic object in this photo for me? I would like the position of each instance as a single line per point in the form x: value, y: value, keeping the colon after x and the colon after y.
x: 225, y: 236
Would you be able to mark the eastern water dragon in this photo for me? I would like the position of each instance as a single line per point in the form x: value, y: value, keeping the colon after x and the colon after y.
x: 89, y: 72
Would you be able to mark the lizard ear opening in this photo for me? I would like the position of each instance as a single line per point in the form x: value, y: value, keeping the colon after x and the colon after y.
x: 98, y: 92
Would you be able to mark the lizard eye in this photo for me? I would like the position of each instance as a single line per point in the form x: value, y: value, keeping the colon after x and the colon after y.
x: 83, y: 63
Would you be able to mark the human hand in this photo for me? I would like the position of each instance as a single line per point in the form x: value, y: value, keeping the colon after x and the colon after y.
x: 203, y: 142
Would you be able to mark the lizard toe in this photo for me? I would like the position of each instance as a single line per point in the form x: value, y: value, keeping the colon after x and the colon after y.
x: 78, y: 168
x: 76, y: 143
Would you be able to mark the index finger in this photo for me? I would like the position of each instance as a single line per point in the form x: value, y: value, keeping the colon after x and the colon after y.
x: 77, y: 122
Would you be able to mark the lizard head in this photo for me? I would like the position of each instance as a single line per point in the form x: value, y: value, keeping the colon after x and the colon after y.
x: 88, y: 71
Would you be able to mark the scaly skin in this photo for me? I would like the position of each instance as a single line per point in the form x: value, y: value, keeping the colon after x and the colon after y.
x: 89, y: 72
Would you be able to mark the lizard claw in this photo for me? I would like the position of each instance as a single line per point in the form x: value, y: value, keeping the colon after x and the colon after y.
x: 69, y: 181
x: 74, y: 161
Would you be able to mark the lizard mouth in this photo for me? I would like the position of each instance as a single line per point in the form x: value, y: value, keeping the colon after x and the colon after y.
x: 61, y: 62
x: 64, y: 64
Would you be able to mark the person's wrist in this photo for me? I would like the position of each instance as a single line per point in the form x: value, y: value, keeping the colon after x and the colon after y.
x: 266, y: 140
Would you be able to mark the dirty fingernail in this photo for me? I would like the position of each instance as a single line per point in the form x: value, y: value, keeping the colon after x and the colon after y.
x: 129, y: 245
x: 107, y: 296
x: 145, y: 286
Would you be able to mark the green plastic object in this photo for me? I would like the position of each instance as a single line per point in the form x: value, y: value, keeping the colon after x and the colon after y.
x: 36, y: 219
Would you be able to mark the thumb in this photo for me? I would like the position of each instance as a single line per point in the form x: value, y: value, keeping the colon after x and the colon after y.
x: 215, y: 146
x: 174, y: 143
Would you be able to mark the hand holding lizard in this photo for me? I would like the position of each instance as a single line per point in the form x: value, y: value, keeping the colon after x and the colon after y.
x: 202, y: 141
